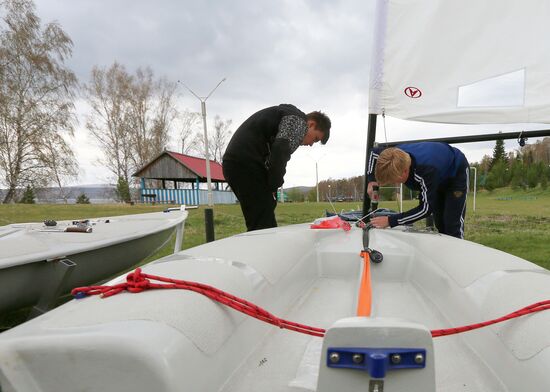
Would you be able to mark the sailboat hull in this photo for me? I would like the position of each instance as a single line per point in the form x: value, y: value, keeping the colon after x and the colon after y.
x: 176, y: 340
x: 37, y: 261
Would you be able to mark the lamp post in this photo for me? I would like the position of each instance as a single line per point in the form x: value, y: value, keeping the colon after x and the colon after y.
x: 207, y: 154
x: 316, y: 158
x: 317, y: 181
x: 475, y: 185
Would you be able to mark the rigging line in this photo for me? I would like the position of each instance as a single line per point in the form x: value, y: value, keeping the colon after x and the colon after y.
x: 384, y: 122
x: 137, y: 282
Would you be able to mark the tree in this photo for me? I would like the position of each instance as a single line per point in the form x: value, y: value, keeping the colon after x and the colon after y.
x: 28, y: 196
x: 544, y: 181
x: 499, y: 153
x: 220, y: 138
x: 187, y: 123
x: 518, y: 174
x: 82, y: 199
x: 151, y: 113
x: 539, y: 151
x: 296, y: 195
x: 217, y: 140
x: 130, y: 116
x: 123, y: 190
x: 59, y: 158
x: 498, y: 177
x: 36, y: 99
x: 485, y: 164
x: 109, y: 121
x: 532, y: 176
x: 312, y: 195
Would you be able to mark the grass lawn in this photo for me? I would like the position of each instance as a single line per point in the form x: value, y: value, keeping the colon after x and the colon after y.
x: 515, y: 222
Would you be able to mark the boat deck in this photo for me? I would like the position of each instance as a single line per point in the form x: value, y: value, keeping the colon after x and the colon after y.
x: 170, y: 338
x: 289, y: 361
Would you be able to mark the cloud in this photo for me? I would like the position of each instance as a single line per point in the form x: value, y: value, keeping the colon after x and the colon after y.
x: 314, y: 54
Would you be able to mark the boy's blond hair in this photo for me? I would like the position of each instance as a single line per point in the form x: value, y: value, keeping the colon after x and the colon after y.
x: 392, y: 163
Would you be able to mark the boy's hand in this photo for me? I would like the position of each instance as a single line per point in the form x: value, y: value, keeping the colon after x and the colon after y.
x: 369, y: 188
x: 380, y: 222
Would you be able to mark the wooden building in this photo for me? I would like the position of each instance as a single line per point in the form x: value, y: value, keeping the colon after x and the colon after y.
x: 176, y: 178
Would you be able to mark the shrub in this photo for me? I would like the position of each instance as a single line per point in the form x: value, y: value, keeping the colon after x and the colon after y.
x: 82, y: 199
x: 532, y: 176
x: 28, y: 196
x: 123, y: 190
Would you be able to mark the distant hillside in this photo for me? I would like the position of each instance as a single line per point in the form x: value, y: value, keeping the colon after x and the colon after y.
x: 302, y: 189
x: 97, y: 193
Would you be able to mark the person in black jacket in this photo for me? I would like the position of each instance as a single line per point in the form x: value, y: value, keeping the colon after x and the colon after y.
x: 254, y: 163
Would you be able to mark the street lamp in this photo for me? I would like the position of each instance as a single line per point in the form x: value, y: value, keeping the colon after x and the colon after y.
x: 203, y: 110
x: 316, y: 160
x: 317, y: 181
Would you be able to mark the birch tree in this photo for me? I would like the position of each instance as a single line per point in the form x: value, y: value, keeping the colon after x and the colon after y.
x: 130, y: 117
x: 188, y: 124
x: 152, y: 112
x: 36, y: 98
x: 59, y: 160
x: 218, y: 138
x: 109, y: 119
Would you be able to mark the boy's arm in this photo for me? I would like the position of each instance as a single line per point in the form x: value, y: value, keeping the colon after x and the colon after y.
x: 428, y: 183
x: 292, y: 130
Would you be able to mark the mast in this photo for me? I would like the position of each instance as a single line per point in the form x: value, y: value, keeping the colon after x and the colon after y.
x: 371, y: 137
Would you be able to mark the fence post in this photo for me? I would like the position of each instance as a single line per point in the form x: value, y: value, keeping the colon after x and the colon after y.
x: 209, y: 224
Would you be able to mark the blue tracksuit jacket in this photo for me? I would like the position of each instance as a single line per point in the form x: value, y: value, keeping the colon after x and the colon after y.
x: 432, y: 166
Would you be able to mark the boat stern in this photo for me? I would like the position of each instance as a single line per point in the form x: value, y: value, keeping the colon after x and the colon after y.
x: 385, y: 354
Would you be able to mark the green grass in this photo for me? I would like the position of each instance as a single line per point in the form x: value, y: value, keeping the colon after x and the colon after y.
x: 515, y: 222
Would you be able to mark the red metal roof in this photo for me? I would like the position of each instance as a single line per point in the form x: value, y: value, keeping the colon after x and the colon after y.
x: 198, y: 165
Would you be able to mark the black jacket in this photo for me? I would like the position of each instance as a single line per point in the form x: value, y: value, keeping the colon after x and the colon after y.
x: 266, y: 140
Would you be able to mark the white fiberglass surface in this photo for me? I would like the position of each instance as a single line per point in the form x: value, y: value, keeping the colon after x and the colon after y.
x: 288, y: 361
x: 28, y: 242
x: 457, y: 368
x: 277, y: 363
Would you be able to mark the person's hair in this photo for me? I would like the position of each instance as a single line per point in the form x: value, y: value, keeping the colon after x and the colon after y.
x: 322, y: 123
x: 392, y: 163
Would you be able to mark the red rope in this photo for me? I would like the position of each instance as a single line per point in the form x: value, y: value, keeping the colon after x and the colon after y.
x: 536, y: 307
x: 137, y: 282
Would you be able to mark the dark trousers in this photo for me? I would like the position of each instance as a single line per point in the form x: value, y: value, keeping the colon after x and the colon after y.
x: 450, y: 206
x: 250, y: 185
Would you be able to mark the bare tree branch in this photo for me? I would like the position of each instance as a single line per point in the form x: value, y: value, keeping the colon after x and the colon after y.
x: 188, y: 123
x: 36, y: 99
x: 130, y: 117
x: 217, y: 139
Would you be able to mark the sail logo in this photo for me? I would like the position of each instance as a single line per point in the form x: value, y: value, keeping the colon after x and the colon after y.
x: 413, y: 92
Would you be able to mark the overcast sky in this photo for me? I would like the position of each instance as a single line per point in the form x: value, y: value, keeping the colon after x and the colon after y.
x: 314, y: 54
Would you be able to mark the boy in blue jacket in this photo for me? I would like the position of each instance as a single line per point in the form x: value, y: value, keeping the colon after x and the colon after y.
x: 438, y: 171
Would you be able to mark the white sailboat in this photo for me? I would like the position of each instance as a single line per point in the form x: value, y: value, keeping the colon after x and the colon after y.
x: 379, y: 321
x: 40, y: 262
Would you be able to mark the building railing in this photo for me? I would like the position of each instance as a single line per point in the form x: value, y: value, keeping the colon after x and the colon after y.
x: 185, y: 196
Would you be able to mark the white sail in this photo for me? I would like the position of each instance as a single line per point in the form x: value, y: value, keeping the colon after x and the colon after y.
x: 468, y: 61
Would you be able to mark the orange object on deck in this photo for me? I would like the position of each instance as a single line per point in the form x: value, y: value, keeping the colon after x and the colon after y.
x: 365, y: 289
